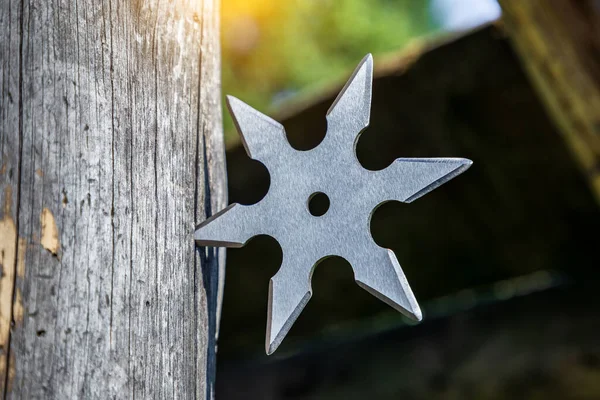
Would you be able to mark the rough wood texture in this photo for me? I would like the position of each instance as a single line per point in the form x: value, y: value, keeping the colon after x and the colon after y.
x: 559, y: 44
x: 112, y: 151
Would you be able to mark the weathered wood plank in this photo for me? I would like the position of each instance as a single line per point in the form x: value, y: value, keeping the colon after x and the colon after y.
x: 10, y: 127
x: 112, y: 111
x: 559, y: 44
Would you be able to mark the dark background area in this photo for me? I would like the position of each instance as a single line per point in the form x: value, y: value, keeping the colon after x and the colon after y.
x: 503, y: 259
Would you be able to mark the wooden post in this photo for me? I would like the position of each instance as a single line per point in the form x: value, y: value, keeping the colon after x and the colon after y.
x: 559, y: 44
x: 111, y: 152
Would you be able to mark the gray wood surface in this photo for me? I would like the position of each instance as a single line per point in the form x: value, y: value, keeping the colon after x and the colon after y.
x: 111, y: 151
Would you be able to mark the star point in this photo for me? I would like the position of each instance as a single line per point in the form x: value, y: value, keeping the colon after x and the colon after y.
x: 354, y: 192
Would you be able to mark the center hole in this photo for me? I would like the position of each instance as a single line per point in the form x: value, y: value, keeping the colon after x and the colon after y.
x: 318, y: 204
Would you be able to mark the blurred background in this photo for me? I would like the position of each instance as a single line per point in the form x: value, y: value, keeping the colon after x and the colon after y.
x: 274, y: 51
x: 504, y: 259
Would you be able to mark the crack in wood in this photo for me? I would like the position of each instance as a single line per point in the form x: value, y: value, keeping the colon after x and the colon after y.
x: 115, y: 203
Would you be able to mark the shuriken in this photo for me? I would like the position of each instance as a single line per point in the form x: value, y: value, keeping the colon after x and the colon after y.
x: 354, y: 192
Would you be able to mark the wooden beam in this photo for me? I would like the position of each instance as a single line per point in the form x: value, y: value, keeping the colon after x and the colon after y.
x: 111, y: 151
x: 558, y: 42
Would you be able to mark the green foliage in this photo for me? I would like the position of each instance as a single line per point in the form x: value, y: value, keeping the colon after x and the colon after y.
x: 273, y: 49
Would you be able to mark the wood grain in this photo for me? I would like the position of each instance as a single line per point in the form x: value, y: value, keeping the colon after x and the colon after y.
x: 112, y: 151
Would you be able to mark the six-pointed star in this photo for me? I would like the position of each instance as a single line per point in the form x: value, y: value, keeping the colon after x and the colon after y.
x: 354, y: 192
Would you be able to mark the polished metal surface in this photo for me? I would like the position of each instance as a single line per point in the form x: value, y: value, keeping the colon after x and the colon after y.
x: 354, y: 193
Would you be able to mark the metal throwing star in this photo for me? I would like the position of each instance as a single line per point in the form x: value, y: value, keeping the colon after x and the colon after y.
x: 354, y: 192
